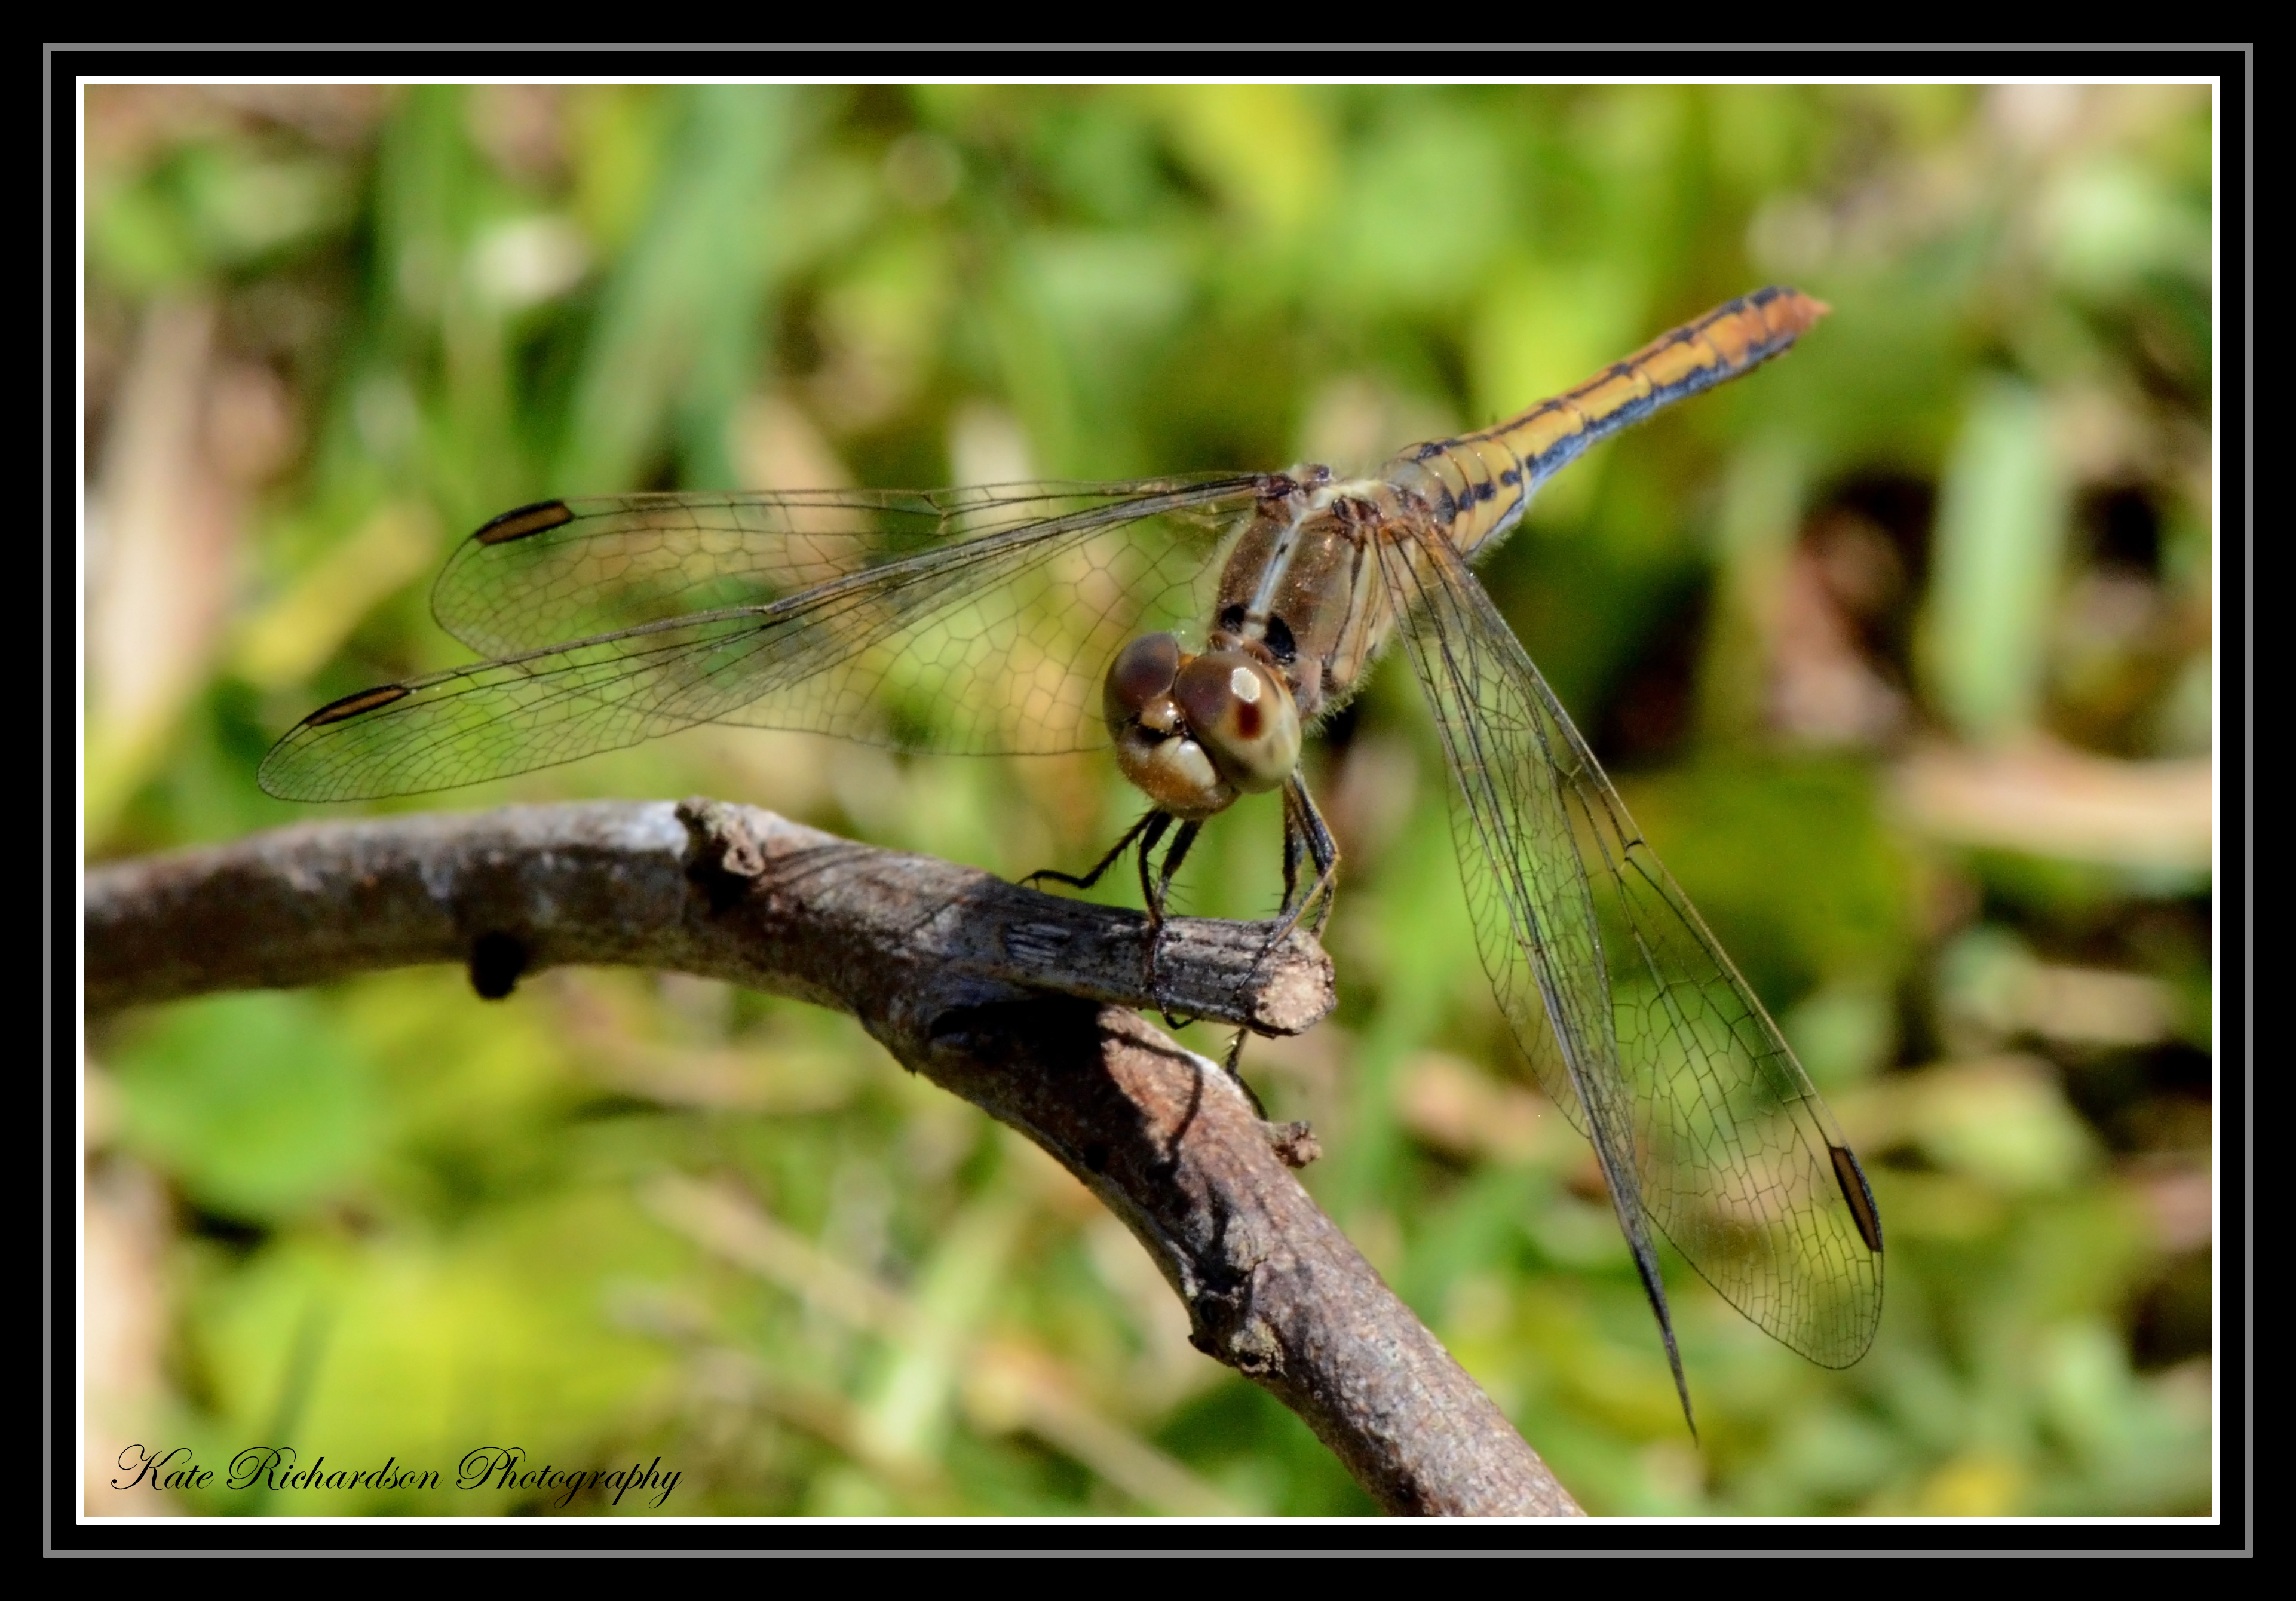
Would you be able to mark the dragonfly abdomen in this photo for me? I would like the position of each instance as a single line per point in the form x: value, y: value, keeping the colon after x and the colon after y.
x: 1477, y: 485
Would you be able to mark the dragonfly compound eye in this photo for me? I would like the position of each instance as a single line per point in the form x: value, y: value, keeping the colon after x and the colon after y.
x: 1138, y: 689
x: 1242, y: 714
x: 1152, y: 742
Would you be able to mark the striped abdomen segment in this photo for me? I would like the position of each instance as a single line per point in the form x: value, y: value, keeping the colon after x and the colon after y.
x: 1478, y: 483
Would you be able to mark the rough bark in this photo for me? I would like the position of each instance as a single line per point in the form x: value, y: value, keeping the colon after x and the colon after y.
x: 1020, y: 1003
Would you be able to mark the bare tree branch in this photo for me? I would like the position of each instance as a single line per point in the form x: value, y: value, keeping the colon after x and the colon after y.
x: 1019, y: 1002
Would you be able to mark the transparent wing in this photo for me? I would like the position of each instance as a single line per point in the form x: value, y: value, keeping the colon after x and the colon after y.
x: 1635, y: 1020
x: 868, y: 615
x: 561, y: 571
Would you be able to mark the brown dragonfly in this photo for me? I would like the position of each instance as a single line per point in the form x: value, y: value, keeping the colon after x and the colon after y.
x: 1052, y: 617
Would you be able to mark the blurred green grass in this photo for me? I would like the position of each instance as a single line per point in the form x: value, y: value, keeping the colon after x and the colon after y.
x: 1901, y: 650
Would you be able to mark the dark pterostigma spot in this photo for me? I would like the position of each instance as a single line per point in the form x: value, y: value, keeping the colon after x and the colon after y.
x: 496, y: 961
x: 538, y: 518
x: 352, y: 705
x: 1858, y: 1194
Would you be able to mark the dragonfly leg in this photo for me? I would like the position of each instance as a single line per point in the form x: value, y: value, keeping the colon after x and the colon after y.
x: 1306, y: 834
x: 1155, y: 886
x: 1233, y: 1063
x: 1159, y: 820
x: 1152, y: 830
x: 1156, y: 892
x: 1306, y: 837
x: 1295, y: 851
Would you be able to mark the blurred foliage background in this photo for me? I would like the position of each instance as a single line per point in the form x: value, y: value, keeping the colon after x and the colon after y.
x: 1900, y: 648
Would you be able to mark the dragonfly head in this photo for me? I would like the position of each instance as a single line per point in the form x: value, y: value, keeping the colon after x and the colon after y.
x: 1194, y: 732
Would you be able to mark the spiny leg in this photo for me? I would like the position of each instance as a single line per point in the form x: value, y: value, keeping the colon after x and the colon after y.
x: 1148, y: 896
x: 1295, y: 849
x: 1152, y: 822
x: 1155, y: 884
x: 1182, y: 843
x: 1305, y: 833
x: 1233, y: 1064
x: 1156, y: 894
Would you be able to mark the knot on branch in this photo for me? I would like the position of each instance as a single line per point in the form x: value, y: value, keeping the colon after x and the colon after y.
x: 1224, y: 1326
x: 1295, y: 1145
x: 497, y: 959
x: 723, y: 858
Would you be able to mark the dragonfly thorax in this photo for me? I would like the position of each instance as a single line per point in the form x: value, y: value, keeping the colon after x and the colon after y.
x: 1300, y: 583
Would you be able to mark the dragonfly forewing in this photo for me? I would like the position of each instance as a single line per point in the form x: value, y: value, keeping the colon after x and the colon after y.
x: 518, y: 713
x: 567, y: 570
x: 1636, y: 1024
x: 992, y: 642
x: 998, y: 644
